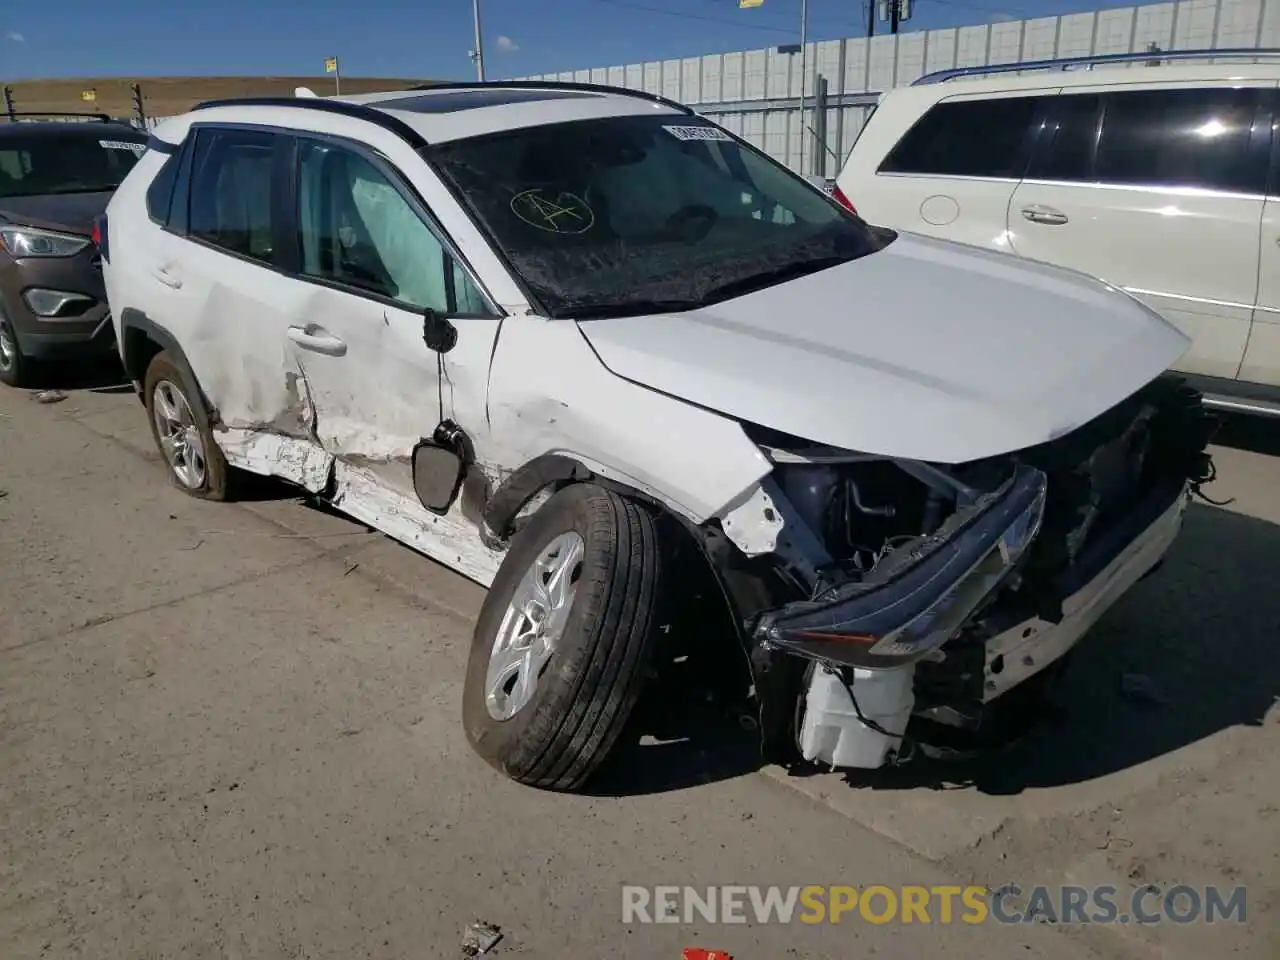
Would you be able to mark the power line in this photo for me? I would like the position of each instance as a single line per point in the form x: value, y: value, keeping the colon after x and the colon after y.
x: 693, y: 16
x: 1003, y: 8
x: 814, y: 15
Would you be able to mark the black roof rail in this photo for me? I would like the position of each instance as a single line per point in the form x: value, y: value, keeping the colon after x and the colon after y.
x: 357, y: 111
x: 552, y: 85
x: 90, y: 116
x: 1066, y: 63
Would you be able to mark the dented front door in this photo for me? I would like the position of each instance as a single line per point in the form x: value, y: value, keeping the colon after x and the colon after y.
x: 375, y: 264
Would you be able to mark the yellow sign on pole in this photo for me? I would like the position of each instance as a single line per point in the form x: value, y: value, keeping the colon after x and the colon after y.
x: 330, y: 64
x: 748, y: 4
x: 88, y: 96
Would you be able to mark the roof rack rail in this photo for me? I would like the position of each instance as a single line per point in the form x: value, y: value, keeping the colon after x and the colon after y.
x: 1153, y: 57
x: 13, y: 115
x: 554, y: 85
x: 357, y: 111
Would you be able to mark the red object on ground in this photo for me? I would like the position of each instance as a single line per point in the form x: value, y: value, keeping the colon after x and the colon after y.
x: 702, y: 953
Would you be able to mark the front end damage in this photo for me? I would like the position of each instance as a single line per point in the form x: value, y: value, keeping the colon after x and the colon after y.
x: 902, y: 601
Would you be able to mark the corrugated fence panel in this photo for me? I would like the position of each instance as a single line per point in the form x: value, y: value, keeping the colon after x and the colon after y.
x: 767, y: 82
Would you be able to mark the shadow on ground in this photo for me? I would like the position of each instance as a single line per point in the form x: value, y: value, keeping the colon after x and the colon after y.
x: 1189, y: 652
x: 1257, y: 434
x: 678, y: 740
x: 104, y: 375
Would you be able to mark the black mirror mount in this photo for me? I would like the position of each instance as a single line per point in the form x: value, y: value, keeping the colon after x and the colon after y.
x: 438, y: 333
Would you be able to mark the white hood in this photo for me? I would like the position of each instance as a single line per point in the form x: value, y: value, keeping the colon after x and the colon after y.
x: 927, y: 350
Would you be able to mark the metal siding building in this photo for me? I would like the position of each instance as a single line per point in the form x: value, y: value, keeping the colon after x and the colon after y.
x: 756, y: 93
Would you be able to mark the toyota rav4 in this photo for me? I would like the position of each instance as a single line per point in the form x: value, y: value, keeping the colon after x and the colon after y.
x: 610, y: 361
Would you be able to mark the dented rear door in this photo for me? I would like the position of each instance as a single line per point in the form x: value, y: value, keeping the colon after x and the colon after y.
x: 219, y: 266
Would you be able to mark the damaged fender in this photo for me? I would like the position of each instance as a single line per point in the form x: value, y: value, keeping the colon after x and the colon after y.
x: 549, y: 394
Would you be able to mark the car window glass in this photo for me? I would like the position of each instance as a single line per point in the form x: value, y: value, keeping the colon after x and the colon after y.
x: 1194, y: 138
x: 972, y: 138
x: 231, y: 192
x: 160, y: 193
x: 53, y: 164
x: 357, y: 229
x: 630, y: 214
x: 1070, y: 136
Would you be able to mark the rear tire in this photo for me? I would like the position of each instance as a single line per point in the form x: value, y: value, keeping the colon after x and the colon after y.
x: 180, y: 428
x: 585, y: 662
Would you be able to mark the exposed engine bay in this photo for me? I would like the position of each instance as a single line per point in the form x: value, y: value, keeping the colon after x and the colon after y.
x: 901, y: 593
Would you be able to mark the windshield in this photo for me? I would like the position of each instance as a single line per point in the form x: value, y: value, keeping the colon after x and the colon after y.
x: 46, y: 164
x: 646, y: 214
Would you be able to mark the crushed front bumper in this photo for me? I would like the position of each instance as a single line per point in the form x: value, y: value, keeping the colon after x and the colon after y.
x: 1019, y: 651
x: 918, y: 597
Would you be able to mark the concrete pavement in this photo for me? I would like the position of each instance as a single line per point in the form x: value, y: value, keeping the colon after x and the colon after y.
x: 232, y: 731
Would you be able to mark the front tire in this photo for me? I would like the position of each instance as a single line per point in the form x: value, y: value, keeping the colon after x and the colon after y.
x: 15, y: 369
x: 565, y: 638
x: 180, y: 428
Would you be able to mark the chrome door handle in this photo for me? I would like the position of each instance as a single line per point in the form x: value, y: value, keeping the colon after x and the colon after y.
x: 1037, y: 213
x: 167, y: 277
x: 318, y: 340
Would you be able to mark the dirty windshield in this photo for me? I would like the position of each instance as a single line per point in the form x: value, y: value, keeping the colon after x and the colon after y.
x: 41, y: 163
x: 646, y: 214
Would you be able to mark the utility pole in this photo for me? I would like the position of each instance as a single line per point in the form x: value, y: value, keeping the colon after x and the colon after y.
x: 871, y: 18
x: 139, y: 110
x: 478, y: 53
x: 804, y: 78
x: 896, y: 12
x: 8, y: 101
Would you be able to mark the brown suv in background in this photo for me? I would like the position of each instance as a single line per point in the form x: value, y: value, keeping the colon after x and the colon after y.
x: 55, y: 178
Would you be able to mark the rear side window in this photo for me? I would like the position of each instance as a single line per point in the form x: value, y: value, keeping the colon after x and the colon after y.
x: 971, y: 138
x: 1070, y: 136
x: 232, y: 192
x: 160, y: 193
x: 1190, y: 138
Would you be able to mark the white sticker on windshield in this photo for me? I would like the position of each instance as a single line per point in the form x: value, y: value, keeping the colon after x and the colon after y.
x: 698, y: 133
x: 138, y: 148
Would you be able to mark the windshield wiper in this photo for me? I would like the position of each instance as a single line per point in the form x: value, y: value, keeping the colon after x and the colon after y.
x: 626, y: 308
x: 769, y: 278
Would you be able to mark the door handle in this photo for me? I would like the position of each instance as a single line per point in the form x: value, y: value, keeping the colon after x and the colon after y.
x: 167, y: 277
x: 1038, y: 213
x: 318, y: 340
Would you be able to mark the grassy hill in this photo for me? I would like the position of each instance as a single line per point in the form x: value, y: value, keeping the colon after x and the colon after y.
x: 166, y: 96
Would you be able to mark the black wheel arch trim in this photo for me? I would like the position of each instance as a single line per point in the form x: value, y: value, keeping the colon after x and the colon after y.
x: 136, y: 323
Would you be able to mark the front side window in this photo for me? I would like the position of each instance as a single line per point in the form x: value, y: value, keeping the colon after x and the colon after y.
x: 967, y: 138
x: 41, y: 164
x: 358, y: 230
x: 232, y: 192
x: 1181, y: 138
x: 645, y: 213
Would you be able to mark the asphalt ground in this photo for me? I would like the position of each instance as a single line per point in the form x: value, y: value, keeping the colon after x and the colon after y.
x: 233, y: 731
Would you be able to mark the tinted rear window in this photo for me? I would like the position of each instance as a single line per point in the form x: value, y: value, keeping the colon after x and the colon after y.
x: 45, y: 164
x: 971, y: 138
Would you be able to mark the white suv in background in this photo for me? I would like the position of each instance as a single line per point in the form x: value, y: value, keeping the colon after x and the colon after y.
x: 1161, y: 181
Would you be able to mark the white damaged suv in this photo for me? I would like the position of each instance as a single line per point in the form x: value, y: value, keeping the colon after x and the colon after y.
x: 603, y: 357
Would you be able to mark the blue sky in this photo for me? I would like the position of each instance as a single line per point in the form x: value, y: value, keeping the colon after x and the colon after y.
x: 425, y: 38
